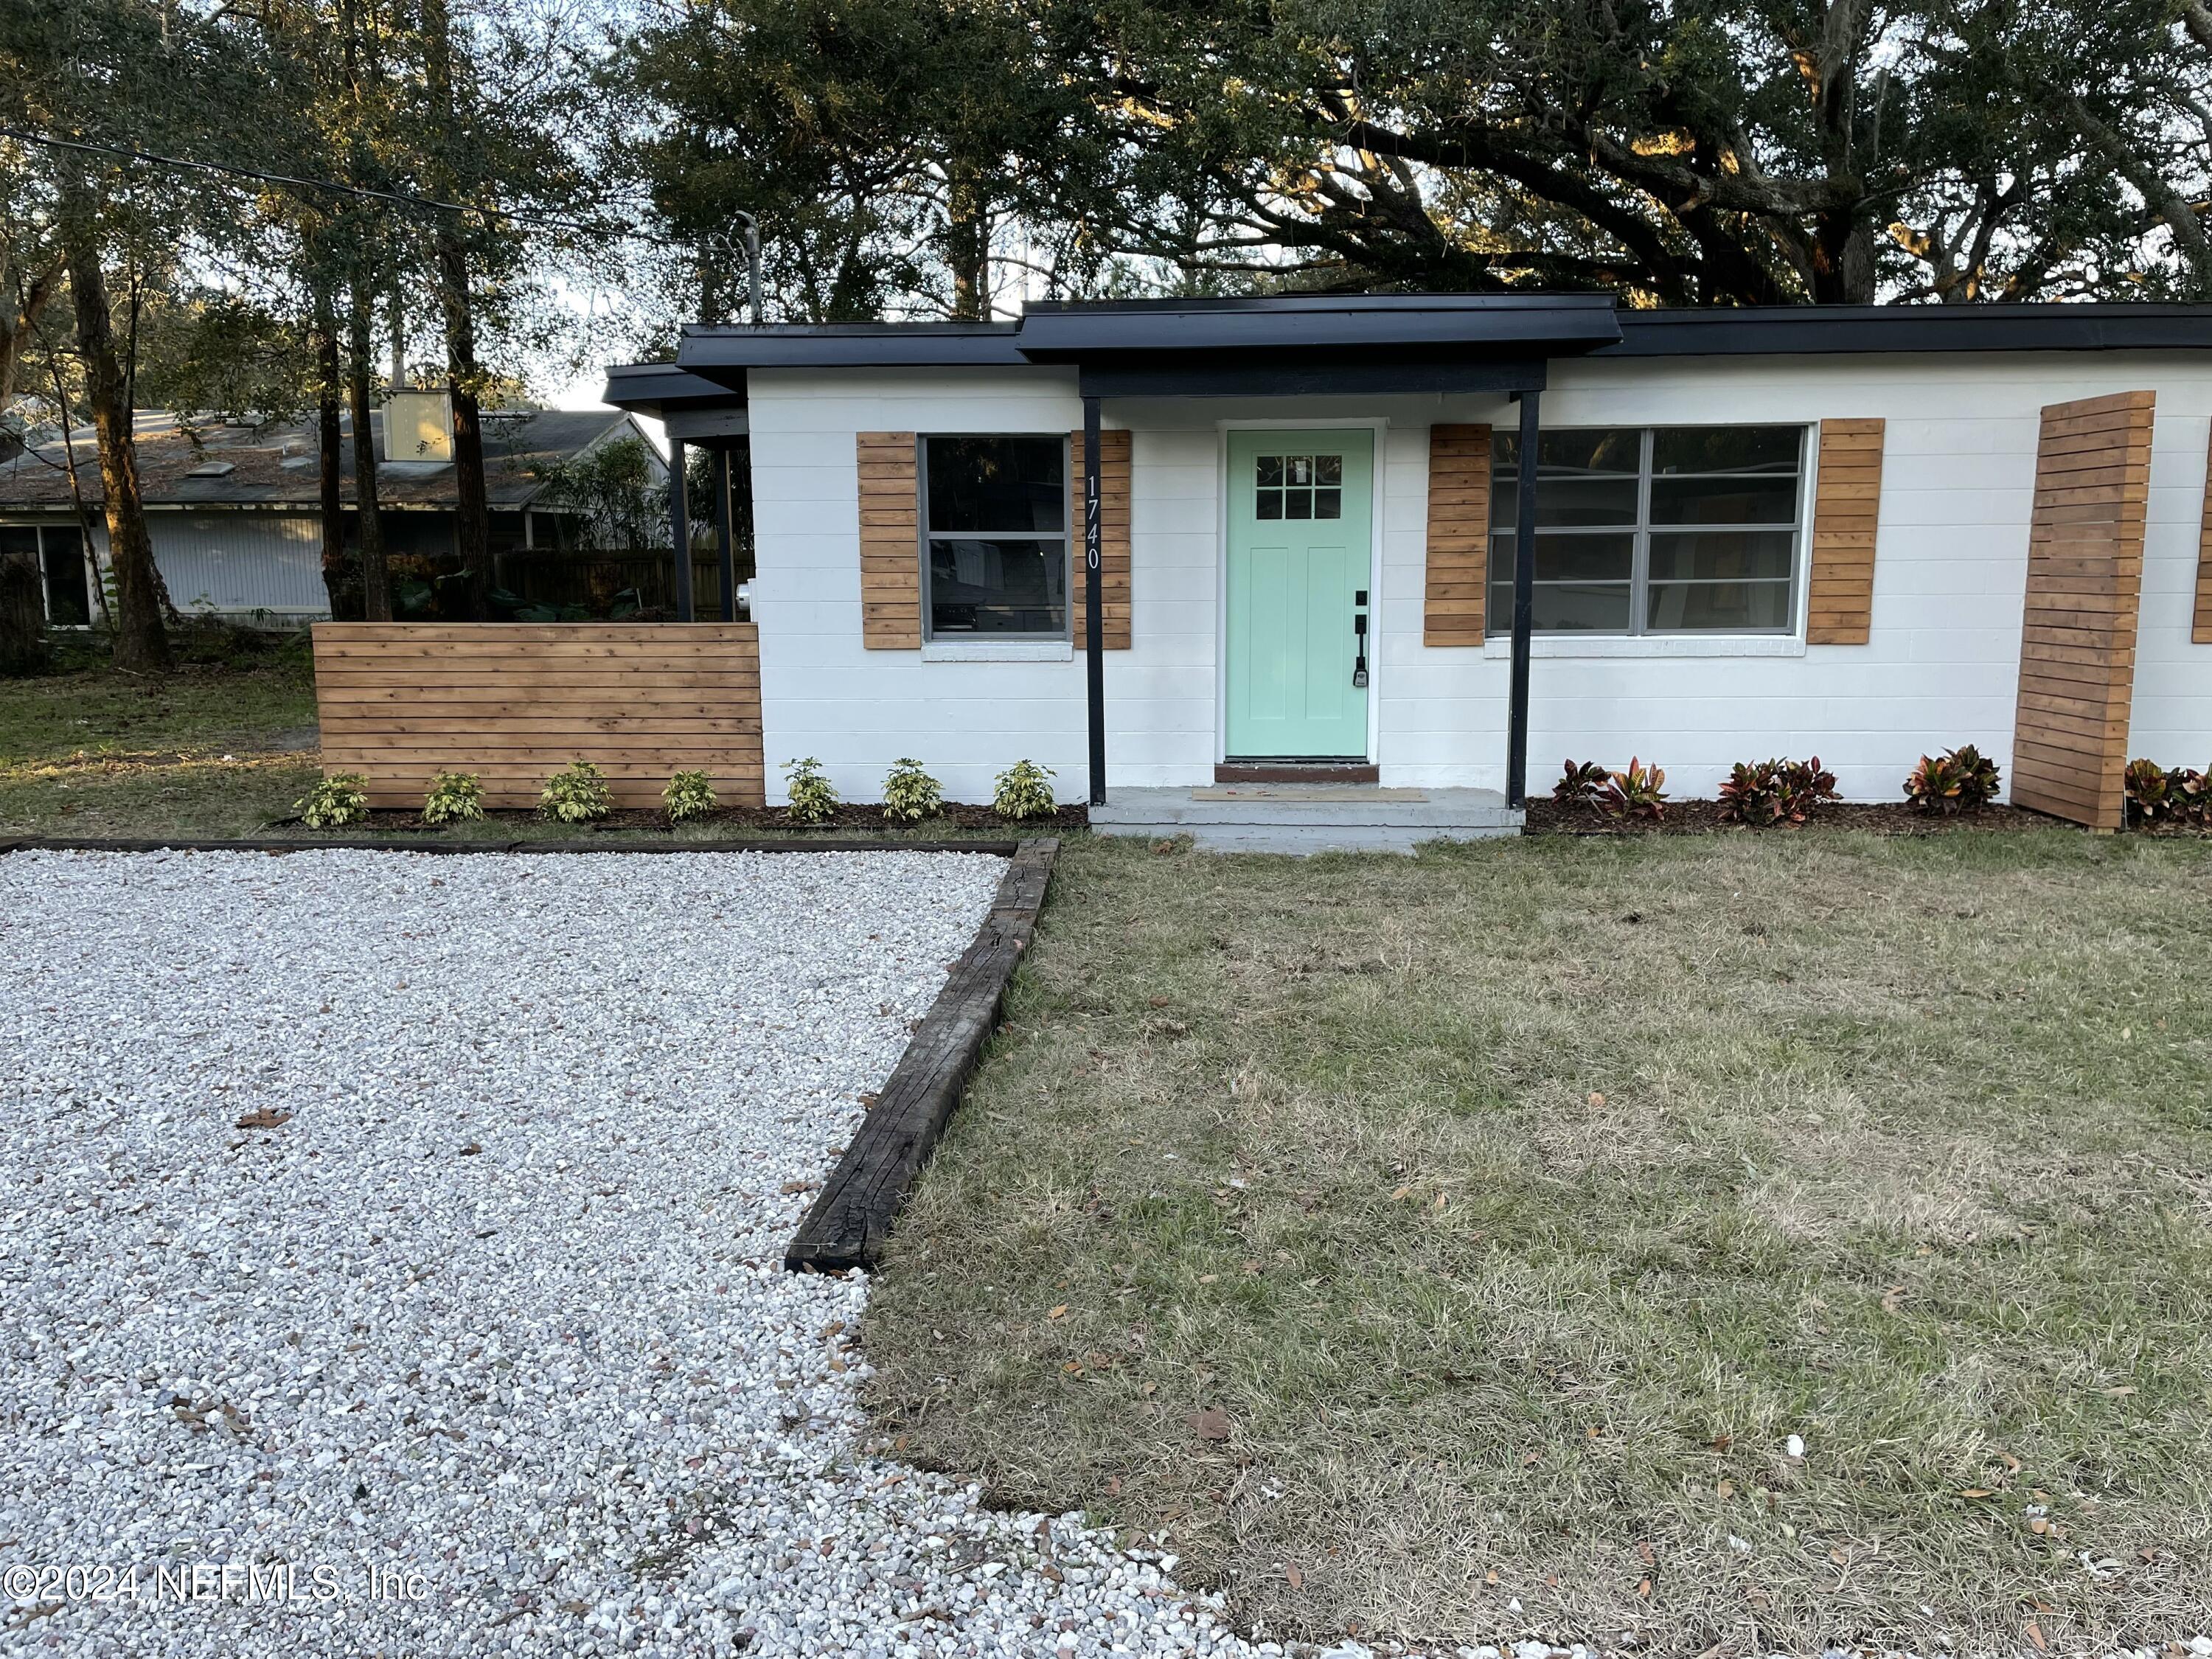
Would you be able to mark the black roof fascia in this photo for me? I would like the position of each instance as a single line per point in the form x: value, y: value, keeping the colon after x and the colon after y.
x: 1521, y: 324
x: 655, y: 389
x: 716, y: 351
x: 1798, y: 330
x: 1243, y: 374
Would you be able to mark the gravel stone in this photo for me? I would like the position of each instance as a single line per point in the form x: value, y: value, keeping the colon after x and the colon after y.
x: 390, y: 1263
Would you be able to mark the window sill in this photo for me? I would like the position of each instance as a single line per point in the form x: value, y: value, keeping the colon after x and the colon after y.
x: 997, y: 651
x: 1651, y: 645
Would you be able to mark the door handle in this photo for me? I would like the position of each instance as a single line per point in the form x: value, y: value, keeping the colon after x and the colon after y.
x: 1360, y: 652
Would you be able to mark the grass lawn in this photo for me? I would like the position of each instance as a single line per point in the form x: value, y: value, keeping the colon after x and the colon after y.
x: 1508, y: 1209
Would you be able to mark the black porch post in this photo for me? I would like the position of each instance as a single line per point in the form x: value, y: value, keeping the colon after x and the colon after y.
x: 1524, y: 583
x: 1094, y: 608
x: 725, y: 544
x: 679, y: 529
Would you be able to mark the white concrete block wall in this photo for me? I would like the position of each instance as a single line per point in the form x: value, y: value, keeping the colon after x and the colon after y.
x: 1941, y: 666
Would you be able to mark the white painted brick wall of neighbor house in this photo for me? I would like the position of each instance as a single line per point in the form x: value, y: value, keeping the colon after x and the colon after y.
x: 1941, y: 666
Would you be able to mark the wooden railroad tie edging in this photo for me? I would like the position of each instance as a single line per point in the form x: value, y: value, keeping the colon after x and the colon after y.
x: 851, y: 1219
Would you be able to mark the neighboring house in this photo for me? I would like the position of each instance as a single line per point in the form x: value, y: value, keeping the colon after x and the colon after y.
x: 1848, y: 531
x: 235, y: 512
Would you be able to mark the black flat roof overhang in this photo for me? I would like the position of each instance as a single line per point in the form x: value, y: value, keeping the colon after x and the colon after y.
x: 1378, y: 343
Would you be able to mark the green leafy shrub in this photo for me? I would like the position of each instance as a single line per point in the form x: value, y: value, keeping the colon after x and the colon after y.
x: 1579, y: 784
x: 2148, y: 790
x: 1637, y: 792
x: 334, y: 801
x: 454, y: 798
x: 689, y: 794
x: 1024, y: 790
x: 577, y: 793
x: 910, y: 794
x: 813, y: 800
x: 1760, y: 792
x: 1962, y: 780
x: 2188, y: 794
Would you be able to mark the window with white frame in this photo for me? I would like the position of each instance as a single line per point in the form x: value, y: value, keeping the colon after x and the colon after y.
x: 995, y: 537
x: 1654, y: 530
x: 57, y: 553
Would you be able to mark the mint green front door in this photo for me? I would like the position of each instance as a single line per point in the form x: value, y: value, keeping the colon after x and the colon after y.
x: 1300, y: 509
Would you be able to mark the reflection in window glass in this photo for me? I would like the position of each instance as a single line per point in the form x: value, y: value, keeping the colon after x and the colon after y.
x: 995, y: 515
x: 1664, y: 529
x: 69, y: 593
x: 1297, y: 487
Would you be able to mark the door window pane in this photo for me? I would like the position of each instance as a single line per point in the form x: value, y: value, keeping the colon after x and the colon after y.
x: 1297, y: 487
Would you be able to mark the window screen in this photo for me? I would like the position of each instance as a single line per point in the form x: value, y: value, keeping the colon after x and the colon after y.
x: 1666, y: 530
x: 995, y: 537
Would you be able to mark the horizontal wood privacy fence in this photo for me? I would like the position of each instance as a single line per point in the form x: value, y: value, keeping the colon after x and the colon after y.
x: 512, y: 702
x: 2077, y: 653
x: 1459, y: 536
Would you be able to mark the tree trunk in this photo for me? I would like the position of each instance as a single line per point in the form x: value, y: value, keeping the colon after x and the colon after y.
x: 330, y: 466
x: 375, y: 569
x: 142, y: 643
x: 967, y: 245
x: 472, y: 521
x: 472, y: 518
x: 25, y: 294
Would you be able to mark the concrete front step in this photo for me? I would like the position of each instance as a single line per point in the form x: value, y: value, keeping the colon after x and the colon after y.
x: 1307, y: 817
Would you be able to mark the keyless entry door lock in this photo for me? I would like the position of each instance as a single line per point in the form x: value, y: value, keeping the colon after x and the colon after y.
x: 1359, y: 641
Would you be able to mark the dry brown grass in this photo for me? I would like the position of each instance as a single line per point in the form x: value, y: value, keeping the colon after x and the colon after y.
x: 1903, y: 1147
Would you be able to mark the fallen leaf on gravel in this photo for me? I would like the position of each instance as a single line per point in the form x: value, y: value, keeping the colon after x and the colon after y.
x: 1211, y: 1424
x: 265, y: 1118
x: 797, y: 1186
x: 471, y: 1150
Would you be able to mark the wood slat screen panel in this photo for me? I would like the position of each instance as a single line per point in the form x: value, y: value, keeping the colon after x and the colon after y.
x: 2077, y: 653
x: 513, y: 702
x: 2201, y: 631
x: 1113, y: 493
x: 890, y: 542
x: 1459, y: 535
x: 1846, y: 507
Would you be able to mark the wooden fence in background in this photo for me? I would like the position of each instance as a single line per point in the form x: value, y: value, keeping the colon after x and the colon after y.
x: 514, y: 702
x: 2077, y: 652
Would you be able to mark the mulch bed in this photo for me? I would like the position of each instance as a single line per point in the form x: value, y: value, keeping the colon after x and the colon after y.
x: 847, y: 820
x: 1694, y: 818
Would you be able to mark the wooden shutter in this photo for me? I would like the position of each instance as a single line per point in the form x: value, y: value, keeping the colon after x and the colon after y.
x: 1114, y: 489
x: 891, y: 543
x: 1846, y: 503
x: 2077, y: 647
x: 1459, y: 535
x: 2202, y: 633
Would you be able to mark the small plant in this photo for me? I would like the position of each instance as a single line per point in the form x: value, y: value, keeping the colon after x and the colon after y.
x: 454, y: 798
x: 910, y: 794
x: 1637, y: 792
x: 813, y: 800
x: 334, y: 801
x: 2149, y: 791
x: 689, y: 794
x: 1960, y: 780
x: 1024, y: 790
x: 1579, y: 784
x: 2189, y: 795
x: 1760, y: 792
x: 577, y: 793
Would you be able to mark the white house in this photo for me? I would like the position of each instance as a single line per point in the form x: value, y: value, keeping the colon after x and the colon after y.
x: 1864, y: 532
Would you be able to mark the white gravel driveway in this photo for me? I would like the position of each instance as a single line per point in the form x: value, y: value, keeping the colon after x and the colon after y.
x: 485, y: 1347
